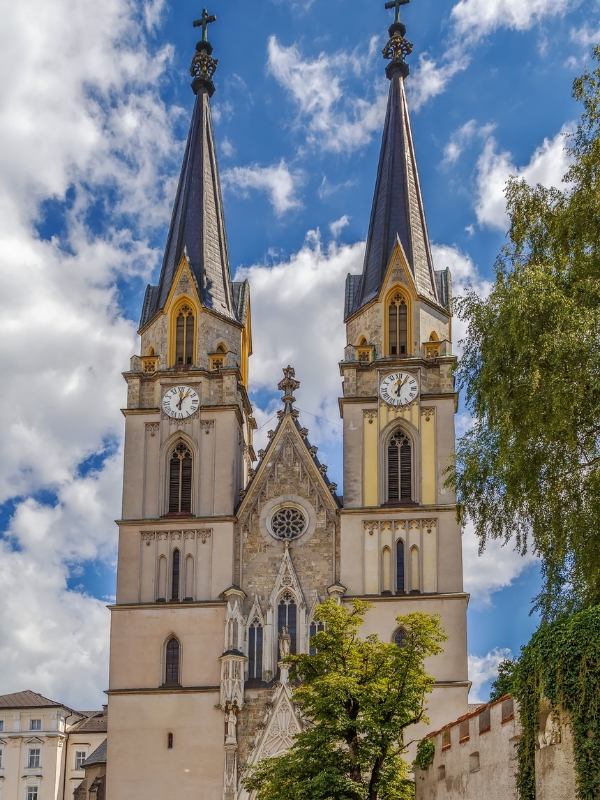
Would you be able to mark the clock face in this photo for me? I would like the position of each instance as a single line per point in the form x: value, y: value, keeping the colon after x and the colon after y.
x: 180, y: 402
x: 399, y: 389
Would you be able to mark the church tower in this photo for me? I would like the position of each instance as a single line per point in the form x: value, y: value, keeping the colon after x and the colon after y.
x: 223, y: 561
x: 400, y: 543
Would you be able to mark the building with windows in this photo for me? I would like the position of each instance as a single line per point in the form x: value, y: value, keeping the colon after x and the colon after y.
x: 43, y: 745
x: 224, y: 553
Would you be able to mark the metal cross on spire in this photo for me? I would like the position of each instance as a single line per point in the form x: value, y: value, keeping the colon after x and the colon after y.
x: 205, y: 21
x: 396, y: 4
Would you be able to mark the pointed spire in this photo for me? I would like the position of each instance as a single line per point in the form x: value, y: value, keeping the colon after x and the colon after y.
x: 197, y: 224
x: 398, y: 213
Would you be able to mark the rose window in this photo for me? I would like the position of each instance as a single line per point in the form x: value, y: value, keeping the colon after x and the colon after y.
x: 288, y: 523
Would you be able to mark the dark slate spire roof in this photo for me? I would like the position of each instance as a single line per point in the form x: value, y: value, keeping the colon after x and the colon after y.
x: 197, y: 224
x: 398, y: 212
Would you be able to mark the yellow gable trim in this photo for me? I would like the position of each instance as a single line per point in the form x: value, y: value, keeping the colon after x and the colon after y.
x: 184, y: 265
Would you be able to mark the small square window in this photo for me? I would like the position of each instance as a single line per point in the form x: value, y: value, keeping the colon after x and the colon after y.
x: 33, y: 761
x: 35, y: 725
x: 32, y: 793
x: 80, y: 757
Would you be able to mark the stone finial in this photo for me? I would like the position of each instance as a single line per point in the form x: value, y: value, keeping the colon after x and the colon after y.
x: 288, y: 385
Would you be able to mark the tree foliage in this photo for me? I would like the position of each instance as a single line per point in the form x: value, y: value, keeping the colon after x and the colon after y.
x: 504, y: 682
x: 358, y: 696
x: 530, y: 466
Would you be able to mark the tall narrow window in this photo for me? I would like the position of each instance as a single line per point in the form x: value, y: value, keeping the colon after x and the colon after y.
x: 161, y: 595
x: 189, y: 577
x: 398, y: 326
x: 399, y: 565
x: 399, y: 469
x: 255, y: 650
x: 180, y: 480
x: 184, y: 336
x: 172, y: 662
x: 32, y: 793
x: 33, y: 761
x: 415, y: 572
x: 386, y: 570
x: 286, y: 618
x: 315, y: 627
x: 175, y: 575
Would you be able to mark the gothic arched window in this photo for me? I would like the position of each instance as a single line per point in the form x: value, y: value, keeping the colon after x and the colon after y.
x: 400, y: 638
x: 255, y: 650
x: 399, y: 565
x: 184, y: 336
x: 189, y: 577
x: 175, y: 572
x: 286, y: 618
x: 180, y: 480
x: 399, y: 469
x: 172, y: 654
x: 398, y: 326
x: 315, y: 627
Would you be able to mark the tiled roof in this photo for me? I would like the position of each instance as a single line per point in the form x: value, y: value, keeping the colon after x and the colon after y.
x: 98, y: 756
x: 197, y: 224
x: 28, y: 699
x: 95, y: 722
x: 398, y: 213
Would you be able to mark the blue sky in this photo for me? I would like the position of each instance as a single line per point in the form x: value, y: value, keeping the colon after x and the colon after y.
x: 94, y: 108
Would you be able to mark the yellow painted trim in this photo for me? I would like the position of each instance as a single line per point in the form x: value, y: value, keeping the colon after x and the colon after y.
x: 371, y: 459
x: 428, y: 466
x: 183, y: 265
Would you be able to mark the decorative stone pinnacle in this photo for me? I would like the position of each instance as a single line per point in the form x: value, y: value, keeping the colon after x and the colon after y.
x: 397, y: 47
x: 288, y: 385
x: 203, y: 65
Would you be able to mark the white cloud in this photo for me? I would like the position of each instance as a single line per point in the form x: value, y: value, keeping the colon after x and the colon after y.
x: 333, y: 118
x: 309, y: 289
x: 278, y: 181
x: 86, y: 120
x: 462, y: 137
x: 483, y: 669
x: 227, y: 148
x: 585, y: 36
x: 497, y: 568
x: 547, y: 166
x: 338, y: 226
x: 476, y: 18
x: 430, y: 79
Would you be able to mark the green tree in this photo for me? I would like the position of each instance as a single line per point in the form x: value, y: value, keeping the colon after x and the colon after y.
x: 530, y: 466
x: 504, y: 682
x: 357, y: 695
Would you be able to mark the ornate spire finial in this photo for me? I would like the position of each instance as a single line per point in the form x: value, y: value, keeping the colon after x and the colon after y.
x: 288, y: 385
x: 398, y: 47
x: 203, y: 65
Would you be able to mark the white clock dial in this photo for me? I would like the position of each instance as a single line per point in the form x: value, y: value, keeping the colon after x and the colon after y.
x: 180, y: 402
x: 399, y: 389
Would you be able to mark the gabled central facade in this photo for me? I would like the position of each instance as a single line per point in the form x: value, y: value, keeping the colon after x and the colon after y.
x: 223, y: 560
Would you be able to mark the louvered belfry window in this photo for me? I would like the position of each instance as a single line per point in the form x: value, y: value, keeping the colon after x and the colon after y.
x: 399, y: 469
x: 172, y: 662
x: 398, y: 326
x: 180, y: 480
x: 184, y: 336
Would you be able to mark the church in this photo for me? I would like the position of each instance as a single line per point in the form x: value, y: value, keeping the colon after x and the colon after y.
x: 224, y: 552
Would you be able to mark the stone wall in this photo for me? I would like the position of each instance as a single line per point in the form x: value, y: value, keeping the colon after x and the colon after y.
x: 476, y: 759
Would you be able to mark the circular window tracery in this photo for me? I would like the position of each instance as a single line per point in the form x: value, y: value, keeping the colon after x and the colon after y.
x: 288, y: 523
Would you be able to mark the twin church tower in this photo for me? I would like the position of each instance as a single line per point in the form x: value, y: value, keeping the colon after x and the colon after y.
x: 225, y: 553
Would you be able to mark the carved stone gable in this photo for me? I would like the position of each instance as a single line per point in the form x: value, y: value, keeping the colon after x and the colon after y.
x: 282, y: 725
